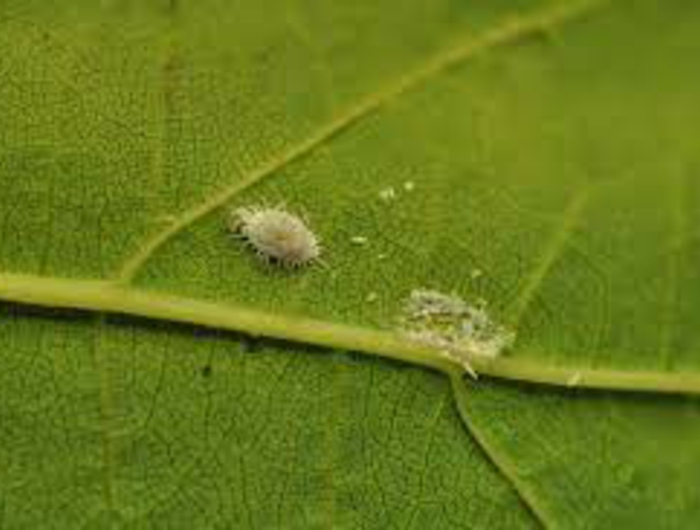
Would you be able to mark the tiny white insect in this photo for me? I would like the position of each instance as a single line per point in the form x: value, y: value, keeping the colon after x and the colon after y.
x: 276, y: 235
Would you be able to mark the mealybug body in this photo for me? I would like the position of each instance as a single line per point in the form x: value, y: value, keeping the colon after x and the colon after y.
x: 276, y: 235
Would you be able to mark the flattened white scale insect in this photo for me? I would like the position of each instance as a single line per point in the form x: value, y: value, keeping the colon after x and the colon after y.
x: 276, y: 235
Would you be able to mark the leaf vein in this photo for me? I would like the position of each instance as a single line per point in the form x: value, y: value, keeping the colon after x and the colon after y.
x: 550, y: 254
x: 107, y: 297
x: 509, y: 31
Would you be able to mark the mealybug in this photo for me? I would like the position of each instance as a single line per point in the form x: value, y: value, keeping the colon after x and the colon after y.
x: 461, y: 331
x: 276, y: 235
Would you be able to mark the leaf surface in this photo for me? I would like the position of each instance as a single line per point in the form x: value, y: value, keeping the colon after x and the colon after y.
x: 537, y: 155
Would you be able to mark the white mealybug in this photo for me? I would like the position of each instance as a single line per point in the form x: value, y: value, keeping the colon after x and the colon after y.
x: 276, y: 235
x: 461, y: 331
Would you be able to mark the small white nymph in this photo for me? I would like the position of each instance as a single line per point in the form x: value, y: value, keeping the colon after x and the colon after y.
x: 276, y: 235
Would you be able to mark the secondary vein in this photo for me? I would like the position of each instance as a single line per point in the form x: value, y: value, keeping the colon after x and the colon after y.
x: 511, y: 30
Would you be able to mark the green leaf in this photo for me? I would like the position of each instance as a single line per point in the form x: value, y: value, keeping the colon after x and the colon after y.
x: 537, y: 155
x: 592, y: 460
x: 116, y: 422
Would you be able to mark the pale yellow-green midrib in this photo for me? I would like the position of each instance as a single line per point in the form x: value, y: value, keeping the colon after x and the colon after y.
x: 105, y: 296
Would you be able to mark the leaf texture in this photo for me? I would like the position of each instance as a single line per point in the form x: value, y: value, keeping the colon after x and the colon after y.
x: 538, y: 155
